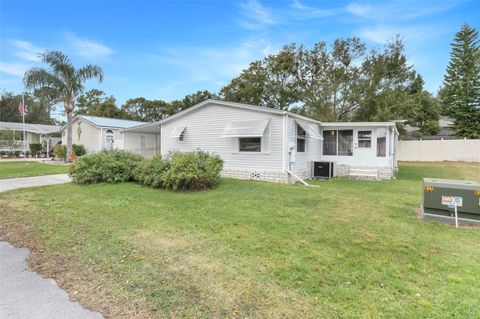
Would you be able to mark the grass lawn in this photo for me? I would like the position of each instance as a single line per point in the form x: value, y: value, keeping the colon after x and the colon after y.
x: 27, y: 168
x: 349, y: 249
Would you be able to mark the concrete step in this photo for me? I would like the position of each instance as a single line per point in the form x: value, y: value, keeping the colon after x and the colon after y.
x: 363, y: 173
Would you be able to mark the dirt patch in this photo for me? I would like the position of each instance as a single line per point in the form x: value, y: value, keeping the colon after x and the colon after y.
x: 83, y: 284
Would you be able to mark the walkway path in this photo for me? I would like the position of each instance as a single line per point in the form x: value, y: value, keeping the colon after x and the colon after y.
x: 23, y: 293
x: 22, y: 182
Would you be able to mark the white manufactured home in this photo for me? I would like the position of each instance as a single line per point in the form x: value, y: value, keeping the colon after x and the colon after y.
x: 101, y: 133
x: 268, y: 144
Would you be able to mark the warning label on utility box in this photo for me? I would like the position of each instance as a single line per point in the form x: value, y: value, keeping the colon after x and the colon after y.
x: 451, y: 201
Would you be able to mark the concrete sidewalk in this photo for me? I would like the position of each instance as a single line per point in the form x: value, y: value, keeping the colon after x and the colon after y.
x: 25, y: 294
x: 22, y: 182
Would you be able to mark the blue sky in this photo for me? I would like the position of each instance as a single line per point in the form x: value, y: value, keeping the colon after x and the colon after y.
x: 167, y: 49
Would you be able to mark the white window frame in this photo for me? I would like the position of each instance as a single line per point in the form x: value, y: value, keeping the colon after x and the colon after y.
x: 107, y: 135
x: 365, y: 139
x: 304, y: 138
x: 250, y: 152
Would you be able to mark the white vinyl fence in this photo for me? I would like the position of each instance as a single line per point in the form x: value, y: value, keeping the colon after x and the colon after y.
x: 439, y: 150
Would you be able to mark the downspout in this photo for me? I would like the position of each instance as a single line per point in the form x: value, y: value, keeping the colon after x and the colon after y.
x: 285, y: 145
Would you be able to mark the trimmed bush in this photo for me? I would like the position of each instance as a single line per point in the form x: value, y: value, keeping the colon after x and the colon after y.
x: 112, y: 166
x: 79, y: 149
x: 150, y: 171
x: 60, y: 151
x: 192, y: 171
x: 35, y: 148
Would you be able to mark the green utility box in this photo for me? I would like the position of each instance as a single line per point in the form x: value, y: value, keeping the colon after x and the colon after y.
x: 441, y: 195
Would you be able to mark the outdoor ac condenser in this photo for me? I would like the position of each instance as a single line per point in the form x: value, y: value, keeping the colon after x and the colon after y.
x: 322, y: 169
x: 440, y: 196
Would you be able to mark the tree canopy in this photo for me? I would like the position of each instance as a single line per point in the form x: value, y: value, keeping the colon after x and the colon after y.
x: 62, y: 82
x: 460, y: 94
x: 339, y: 82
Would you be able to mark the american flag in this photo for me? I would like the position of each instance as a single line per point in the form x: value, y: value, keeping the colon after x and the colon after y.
x: 21, y: 109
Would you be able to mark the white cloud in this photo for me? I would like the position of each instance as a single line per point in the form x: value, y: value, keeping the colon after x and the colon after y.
x: 415, y: 34
x: 88, y: 48
x: 15, y: 69
x: 358, y: 9
x: 27, y: 50
x: 256, y: 15
x: 302, y: 11
x: 213, y: 65
x: 399, y: 11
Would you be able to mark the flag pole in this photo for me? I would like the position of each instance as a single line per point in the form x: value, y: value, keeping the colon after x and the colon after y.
x: 23, y: 118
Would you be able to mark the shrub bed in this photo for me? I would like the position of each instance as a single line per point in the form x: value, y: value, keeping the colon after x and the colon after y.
x: 192, y: 171
x: 60, y: 151
x: 178, y: 171
x: 79, y: 149
x: 112, y: 166
x: 150, y: 172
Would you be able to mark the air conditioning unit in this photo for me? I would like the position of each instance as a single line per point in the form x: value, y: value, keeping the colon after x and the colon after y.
x: 322, y: 169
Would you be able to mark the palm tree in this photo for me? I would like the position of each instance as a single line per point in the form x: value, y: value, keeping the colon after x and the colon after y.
x: 63, y: 82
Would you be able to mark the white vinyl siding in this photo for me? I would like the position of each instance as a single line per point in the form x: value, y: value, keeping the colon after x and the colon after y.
x: 312, y: 145
x: 88, y: 135
x: 204, y: 128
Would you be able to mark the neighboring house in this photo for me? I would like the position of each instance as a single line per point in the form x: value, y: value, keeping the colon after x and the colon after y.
x: 446, y: 131
x: 101, y: 133
x: 268, y: 144
x: 34, y: 133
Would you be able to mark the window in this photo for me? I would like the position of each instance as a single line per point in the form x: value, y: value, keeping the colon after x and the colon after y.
x: 301, y: 139
x: 345, y: 142
x: 250, y: 144
x: 364, y: 139
x: 381, y: 142
x: 142, y: 142
x: 109, y: 136
x: 338, y: 142
x: 330, y: 142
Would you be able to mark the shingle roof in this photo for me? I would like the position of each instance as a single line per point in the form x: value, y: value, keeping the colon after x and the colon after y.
x: 109, y: 122
x: 34, y: 128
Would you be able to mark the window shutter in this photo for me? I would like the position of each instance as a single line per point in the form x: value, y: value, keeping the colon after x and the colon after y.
x: 266, y: 139
x: 234, y: 144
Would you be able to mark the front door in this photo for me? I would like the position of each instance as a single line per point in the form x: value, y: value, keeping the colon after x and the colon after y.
x: 363, y: 146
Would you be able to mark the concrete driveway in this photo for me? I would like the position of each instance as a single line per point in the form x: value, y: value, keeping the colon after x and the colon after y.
x: 23, y: 293
x: 22, y: 182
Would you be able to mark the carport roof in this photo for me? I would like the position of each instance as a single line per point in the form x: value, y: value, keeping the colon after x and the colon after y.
x: 33, y: 128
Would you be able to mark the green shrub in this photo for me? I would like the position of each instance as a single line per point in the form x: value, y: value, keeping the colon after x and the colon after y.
x: 150, y: 171
x: 60, y: 151
x: 16, y: 153
x: 112, y: 166
x: 192, y: 171
x: 79, y: 149
x: 35, y: 148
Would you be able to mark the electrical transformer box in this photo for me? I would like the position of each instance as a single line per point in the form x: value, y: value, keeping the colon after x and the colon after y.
x: 440, y: 196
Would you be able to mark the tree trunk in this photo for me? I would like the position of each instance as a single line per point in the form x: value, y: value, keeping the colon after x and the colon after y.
x: 69, y: 136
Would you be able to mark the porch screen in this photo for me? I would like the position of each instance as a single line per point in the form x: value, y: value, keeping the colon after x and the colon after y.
x: 255, y: 128
x: 381, y: 142
x: 330, y: 142
x: 345, y: 142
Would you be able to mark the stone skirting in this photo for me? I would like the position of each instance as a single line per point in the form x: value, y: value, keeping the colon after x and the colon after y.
x: 260, y: 175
